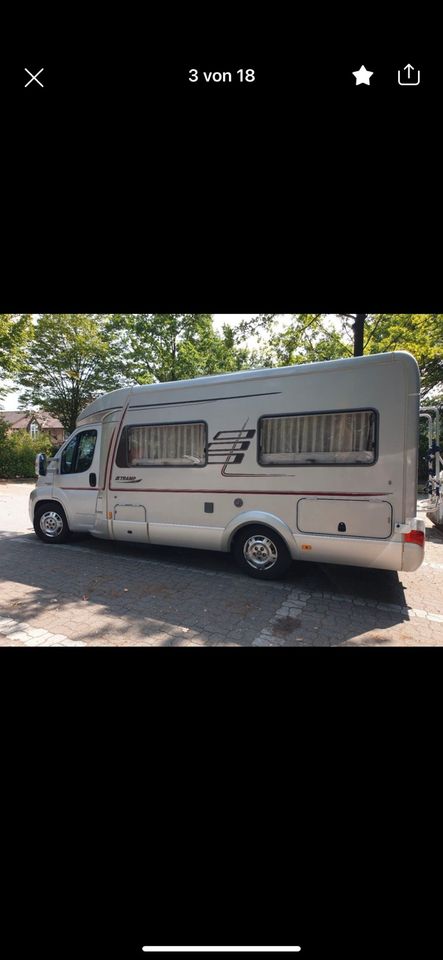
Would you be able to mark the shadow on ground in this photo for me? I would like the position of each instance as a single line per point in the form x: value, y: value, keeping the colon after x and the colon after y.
x: 380, y: 586
x: 434, y: 534
x: 190, y: 595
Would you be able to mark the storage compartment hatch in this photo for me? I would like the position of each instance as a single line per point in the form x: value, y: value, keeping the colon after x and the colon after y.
x: 345, y: 518
x: 130, y: 522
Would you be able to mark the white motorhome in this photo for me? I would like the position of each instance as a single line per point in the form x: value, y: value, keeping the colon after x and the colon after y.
x: 310, y: 462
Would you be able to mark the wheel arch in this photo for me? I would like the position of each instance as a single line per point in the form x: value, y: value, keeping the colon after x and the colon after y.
x: 253, y: 518
x: 50, y: 502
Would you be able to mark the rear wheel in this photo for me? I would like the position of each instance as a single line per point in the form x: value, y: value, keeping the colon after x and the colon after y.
x: 261, y: 553
x: 50, y: 523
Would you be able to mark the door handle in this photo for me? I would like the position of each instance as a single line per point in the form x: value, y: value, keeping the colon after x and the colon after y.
x: 92, y: 480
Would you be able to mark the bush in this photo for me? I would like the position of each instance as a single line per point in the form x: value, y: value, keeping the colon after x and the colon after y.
x: 422, y: 452
x: 18, y: 451
x: 423, y: 462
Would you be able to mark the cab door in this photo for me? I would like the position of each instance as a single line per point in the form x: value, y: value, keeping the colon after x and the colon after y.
x: 78, y: 477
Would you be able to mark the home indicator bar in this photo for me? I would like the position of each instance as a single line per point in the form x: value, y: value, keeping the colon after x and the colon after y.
x: 221, y: 949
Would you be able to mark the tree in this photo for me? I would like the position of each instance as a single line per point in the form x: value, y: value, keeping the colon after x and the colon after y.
x: 307, y: 338
x: 68, y: 361
x: 15, y: 330
x: 163, y: 347
x: 310, y: 337
x: 353, y: 330
x: 419, y: 333
x: 359, y: 333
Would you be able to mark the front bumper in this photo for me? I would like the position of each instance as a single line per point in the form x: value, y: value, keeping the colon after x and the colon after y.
x: 31, y: 505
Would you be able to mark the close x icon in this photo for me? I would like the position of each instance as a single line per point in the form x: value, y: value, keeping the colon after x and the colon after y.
x: 34, y: 76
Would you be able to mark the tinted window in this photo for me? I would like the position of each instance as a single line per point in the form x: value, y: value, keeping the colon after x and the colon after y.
x: 68, y: 456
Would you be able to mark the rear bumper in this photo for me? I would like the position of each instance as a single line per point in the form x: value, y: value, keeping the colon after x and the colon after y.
x: 392, y: 554
x: 414, y: 553
x: 413, y: 557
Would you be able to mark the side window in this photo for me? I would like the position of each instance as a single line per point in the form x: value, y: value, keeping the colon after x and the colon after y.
x: 163, y: 445
x: 344, y: 436
x: 79, y: 453
x: 85, y: 450
x: 68, y: 456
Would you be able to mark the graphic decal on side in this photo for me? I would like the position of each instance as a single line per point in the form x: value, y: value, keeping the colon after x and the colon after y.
x: 229, y: 446
x: 129, y: 479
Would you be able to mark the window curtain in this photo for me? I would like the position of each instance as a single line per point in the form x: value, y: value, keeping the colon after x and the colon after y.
x: 181, y: 443
x: 326, y: 437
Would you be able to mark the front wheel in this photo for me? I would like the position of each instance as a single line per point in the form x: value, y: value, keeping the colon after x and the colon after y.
x: 50, y: 523
x: 262, y: 553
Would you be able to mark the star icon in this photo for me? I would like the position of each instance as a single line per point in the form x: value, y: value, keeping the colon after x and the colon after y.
x: 362, y: 76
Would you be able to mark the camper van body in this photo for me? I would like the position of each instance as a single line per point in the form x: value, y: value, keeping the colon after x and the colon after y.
x: 320, y: 456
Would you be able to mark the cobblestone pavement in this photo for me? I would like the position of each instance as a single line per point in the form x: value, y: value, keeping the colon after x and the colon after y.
x: 97, y: 593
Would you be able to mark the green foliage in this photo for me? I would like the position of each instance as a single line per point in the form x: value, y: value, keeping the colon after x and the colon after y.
x: 306, y: 339
x: 69, y: 360
x: 310, y: 337
x: 18, y: 451
x: 423, y: 447
x: 420, y: 333
x: 164, y: 347
x: 64, y: 361
x: 15, y: 330
x: 3, y: 430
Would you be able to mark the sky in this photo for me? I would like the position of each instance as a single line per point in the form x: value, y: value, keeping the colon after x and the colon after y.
x: 10, y: 401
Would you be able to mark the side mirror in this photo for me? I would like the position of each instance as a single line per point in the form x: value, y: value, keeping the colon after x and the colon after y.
x: 41, y: 465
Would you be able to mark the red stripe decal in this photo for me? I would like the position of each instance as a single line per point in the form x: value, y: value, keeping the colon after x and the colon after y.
x: 271, y: 493
x: 107, y: 458
x: 120, y: 427
x: 82, y: 488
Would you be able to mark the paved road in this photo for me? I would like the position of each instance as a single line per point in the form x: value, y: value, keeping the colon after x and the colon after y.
x: 98, y: 593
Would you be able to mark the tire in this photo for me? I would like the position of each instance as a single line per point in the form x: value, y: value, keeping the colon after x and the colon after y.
x: 50, y: 523
x: 261, y: 553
